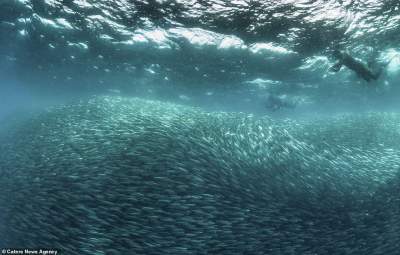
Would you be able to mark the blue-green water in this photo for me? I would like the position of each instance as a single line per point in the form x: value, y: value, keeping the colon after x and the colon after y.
x: 199, y: 127
x: 214, y: 54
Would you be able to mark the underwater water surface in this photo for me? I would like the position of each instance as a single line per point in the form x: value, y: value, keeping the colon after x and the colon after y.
x: 200, y: 127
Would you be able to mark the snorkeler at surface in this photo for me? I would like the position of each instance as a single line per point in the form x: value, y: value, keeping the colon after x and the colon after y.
x: 344, y: 59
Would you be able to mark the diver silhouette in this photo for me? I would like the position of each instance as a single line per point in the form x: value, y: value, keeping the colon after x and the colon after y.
x: 362, y: 71
x: 275, y: 103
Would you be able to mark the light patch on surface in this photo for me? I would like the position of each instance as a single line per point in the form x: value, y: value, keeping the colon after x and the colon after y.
x: 314, y: 63
x: 52, y: 2
x: 57, y: 23
x: 262, y: 48
x: 196, y: 36
x: 82, y: 3
x: 231, y: 42
x: 157, y: 35
x: 45, y: 22
x: 201, y: 38
x: 155, y: 38
x: 137, y: 38
x: 159, y: 38
x: 263, y: 83
x: 240, y: 2
x: 149, y: 70
x: 330, y: 10
x: 106, y: 38
x: 82, y: 46
x: 98, y: 21
x: 64, y: 23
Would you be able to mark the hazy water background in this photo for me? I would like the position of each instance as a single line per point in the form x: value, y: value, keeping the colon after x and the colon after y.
x: 220, y: 55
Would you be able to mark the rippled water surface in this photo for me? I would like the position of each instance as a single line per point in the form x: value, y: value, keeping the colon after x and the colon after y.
x: 220, y: 54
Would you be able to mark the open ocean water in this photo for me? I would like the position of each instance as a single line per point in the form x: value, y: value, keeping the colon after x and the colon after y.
x: 199, y: 127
